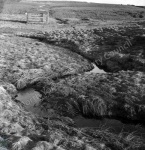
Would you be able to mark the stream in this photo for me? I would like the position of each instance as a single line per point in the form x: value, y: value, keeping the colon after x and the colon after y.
x: 32, y: 99
x: 96, y: 69
x: 115, y: 126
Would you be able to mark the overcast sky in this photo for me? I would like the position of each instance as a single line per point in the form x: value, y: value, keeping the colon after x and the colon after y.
x: 132, y: 2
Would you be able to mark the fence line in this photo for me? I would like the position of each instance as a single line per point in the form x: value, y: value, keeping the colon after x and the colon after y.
x: 37, y: 17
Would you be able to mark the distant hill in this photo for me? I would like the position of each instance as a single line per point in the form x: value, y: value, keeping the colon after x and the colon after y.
x: 66, y: 9
x: 141, y: 6
x: 1, y: 5
x: 4, y: 2
x: 80, y: 10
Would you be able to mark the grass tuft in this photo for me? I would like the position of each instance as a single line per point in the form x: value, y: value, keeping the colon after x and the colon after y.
x: 85, y: 107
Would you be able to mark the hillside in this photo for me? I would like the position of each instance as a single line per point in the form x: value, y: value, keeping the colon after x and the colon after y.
x: 66, y: 9
x: 95, y: 11
x: 1, y: 5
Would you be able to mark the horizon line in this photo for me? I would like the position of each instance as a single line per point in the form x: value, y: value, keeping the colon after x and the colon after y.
x: 83, y: 1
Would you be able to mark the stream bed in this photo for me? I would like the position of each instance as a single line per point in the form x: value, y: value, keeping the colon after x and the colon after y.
x: 115, y: 126
x: 32, y: 102
x: 96, y: 70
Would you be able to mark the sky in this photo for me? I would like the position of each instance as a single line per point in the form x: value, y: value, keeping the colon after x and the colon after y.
x: 131, y: 2
x: 125, y: 2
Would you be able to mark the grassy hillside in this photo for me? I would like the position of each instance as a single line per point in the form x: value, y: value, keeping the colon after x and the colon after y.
x: 95, y: 11
x: 1, y: 5
x: 80, y: 10
x: 5, y: 3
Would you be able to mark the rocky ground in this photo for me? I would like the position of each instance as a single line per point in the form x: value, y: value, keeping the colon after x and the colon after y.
x: 23, y: 130
x: 113, y: 49
x: 24, y: 58
x: 57, y: 65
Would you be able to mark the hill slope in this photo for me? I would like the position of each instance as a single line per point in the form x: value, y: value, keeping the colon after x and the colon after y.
x: 67, y: 9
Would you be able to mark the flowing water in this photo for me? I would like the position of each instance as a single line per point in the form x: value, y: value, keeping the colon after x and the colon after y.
x: 96, y: 69
x: 32, y: 99
x: 113, y: 125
